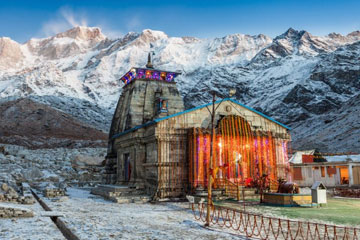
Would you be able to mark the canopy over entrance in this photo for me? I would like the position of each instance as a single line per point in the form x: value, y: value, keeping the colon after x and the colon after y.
x: 241, y: 153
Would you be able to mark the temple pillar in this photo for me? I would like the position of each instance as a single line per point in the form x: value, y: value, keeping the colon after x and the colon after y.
x: 351, y: 179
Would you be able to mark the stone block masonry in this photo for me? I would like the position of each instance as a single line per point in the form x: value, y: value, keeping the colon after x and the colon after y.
x: 12, y: 212
x: 8, y: 194
x: 54, y: 192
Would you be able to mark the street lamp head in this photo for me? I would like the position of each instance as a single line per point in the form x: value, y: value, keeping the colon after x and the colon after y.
x: 232, y: 92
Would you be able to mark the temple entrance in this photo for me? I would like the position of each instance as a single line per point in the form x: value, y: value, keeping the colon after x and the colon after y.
x: 344, y: 175
x: 127, y: 167
x: 241, y: 153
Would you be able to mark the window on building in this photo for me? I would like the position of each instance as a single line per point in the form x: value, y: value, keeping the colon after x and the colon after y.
x: 297, y: 173
x: 161, y: 105
x: 331, y: 171
x: 344, y: 175
x: 322, y: 171
x: 127, y: 167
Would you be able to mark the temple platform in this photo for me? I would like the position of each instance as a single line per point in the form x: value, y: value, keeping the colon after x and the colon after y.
x: 121, y: 193
x: 221, y: 194
x: 287, y: 199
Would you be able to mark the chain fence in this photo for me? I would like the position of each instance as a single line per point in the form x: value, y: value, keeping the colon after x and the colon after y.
x: 264, y: 227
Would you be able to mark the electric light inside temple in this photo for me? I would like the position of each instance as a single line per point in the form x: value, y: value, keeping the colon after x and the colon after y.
x: 141, y: 73
x: 240, y: 153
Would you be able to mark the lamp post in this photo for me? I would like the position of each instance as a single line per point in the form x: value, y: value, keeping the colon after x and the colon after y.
x: 210, y: 171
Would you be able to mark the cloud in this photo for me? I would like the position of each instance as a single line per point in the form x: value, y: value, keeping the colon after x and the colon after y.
x: 68, y: 15
x: 65, y: 20
x: 109, y: 32
x: 133, y: 23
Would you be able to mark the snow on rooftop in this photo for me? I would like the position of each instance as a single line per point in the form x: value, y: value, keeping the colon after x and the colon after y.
x: 297, y: 156
x: 343, y: 158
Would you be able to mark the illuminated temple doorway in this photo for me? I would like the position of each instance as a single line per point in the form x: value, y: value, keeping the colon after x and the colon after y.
x: 241, y: 153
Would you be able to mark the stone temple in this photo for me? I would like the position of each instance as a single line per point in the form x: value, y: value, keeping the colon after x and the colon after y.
x: 159, y: 147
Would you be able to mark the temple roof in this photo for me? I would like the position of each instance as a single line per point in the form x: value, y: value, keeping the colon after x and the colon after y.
x: 196, y: 108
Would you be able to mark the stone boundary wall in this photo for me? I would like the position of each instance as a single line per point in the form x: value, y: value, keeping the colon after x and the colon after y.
x: 12, y: 212
x: 53, y: 192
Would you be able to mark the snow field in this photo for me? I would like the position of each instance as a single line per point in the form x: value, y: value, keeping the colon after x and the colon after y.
x: 91, y: 217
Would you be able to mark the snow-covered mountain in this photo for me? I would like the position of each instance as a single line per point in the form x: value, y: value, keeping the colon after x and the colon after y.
x: 293, y: 77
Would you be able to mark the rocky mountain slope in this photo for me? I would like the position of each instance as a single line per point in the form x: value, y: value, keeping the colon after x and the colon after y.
x: 35, y: 125
x: 295, y: 77
x: 338, y: 129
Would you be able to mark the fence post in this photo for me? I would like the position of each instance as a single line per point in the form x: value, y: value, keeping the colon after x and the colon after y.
x: 226, y: 188
x: 238, y: 193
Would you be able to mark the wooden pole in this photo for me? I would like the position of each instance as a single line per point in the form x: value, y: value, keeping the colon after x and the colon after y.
x: 210, y: 170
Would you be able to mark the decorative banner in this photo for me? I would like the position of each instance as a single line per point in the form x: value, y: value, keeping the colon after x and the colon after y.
x: 240, y: 153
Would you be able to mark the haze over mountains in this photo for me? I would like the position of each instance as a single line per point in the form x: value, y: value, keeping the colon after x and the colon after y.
x: 310, y: 83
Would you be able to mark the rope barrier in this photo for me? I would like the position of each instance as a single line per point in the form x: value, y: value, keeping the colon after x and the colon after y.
x: 264, y: 227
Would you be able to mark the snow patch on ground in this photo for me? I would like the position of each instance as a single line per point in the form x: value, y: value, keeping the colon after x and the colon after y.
x: 91, y: 217
x: 37, y: 227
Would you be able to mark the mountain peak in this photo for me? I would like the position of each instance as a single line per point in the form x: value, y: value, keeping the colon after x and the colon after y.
x: 335, y: 35
x: 153, y: 34
x: 7, y: 40
x: 291, y: 30
x: 10, y: 53
x: 294, y: 35
x: 354, y: 34
x: 83, y: 33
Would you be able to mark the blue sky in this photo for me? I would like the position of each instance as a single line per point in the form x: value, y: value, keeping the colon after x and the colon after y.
x: 21, y: 20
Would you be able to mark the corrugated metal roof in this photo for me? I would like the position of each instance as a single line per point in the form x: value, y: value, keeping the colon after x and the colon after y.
x: 343, y: 158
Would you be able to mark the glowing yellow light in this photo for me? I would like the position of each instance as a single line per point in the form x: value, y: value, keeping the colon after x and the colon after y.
x: 237, y: 157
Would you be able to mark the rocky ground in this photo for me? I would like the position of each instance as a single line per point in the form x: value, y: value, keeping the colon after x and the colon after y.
x: 91, y: 217
x: 19, y: 164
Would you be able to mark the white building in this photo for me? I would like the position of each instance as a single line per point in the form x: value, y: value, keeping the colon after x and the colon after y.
x: 337, y: 170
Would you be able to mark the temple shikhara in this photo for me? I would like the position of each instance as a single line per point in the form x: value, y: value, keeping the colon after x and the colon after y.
x: 158, y: 146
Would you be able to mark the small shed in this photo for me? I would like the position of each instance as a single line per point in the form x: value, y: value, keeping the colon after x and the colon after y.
x: 318, y: 192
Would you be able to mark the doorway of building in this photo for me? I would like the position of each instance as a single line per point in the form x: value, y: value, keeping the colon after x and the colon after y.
x: 344, y: 175
x: 127, y: 167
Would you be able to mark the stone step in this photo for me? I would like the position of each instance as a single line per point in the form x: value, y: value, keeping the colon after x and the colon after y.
x: 247, y: 193
x: 131, y: 199
x: 247, y: 197
x: 113, y: 190
x: 120, y: 194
